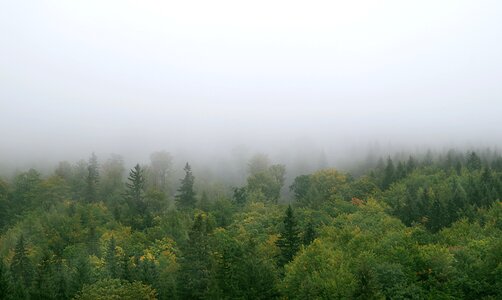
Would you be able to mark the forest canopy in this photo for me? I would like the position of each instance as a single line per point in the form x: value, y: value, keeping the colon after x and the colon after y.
x: 418, y: 227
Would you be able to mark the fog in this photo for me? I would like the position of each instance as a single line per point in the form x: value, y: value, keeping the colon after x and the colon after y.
x: 215, y: 80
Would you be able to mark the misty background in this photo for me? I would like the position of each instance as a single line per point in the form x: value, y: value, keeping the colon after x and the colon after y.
x: 214, y: 82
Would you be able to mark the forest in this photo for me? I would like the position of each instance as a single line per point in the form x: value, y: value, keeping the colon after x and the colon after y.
x: 417, y: 227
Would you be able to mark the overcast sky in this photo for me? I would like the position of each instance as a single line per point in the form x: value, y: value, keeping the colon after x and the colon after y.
x: 138, y: 76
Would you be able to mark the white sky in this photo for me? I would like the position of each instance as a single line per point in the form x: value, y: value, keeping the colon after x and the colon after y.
x: 122, y: 76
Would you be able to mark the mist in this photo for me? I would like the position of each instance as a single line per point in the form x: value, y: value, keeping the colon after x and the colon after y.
x: 208, y: 81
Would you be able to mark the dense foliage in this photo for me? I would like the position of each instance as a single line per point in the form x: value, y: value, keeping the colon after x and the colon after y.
x: 426, y: 227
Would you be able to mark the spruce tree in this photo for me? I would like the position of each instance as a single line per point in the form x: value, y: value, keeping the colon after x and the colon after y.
x: 136, y: 189
x: 289, y: 240
x: 186, y: 196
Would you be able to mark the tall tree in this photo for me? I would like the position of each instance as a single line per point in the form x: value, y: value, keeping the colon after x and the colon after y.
x: 112, y: 265
x: 21, y: 266
x: 388, y: 174
x: 186, y: 196
x: 136, y: 189
x: 194, y: 278
x: 92, y: 179
x: 289, y: 240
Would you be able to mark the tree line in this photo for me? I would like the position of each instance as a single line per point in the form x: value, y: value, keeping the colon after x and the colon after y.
x: 413, y: 228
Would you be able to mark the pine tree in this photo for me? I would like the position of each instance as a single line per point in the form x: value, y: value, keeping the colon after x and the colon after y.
x: 289, y: 240
x: 92, y: 179
x: 186, y: 196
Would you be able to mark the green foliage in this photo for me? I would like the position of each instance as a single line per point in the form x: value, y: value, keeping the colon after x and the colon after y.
x: 267, y: 182
x: 185, y: 198
x: 194, y: 278
x: 318, y: 273
x: 116, y: 289
x: 92, y: 179
x: 21, y: 266
x: 434, y: 231
x: 289, y: 240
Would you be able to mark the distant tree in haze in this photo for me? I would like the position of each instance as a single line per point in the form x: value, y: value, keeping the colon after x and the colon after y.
x: 92, y: 179
x: 135, y: 192
x: 186, y: 195
x: 258, y: 163
x: 64, y: 170
x: 473, y: 162
x: 388, y: 174
x: 160, y: 166
x: 26, y: 190
x: 135, y: 198
x: 267, y: 183
x: 112, y: 176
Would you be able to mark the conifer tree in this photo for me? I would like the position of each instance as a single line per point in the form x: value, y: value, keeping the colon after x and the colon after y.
x: 4, y: 282
x: 194, y: 279
x: 388, y: 174
x: 136, y: 189
x: 473, y: 162
x: 310, y: 234
x: 92, y: 179
x: 186, y: 196
x: 289, y: 240
x: 21, y: 266
x: 111, y: 259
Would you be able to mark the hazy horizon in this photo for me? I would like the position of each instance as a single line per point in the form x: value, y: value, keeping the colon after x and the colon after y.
x: 199, y: 79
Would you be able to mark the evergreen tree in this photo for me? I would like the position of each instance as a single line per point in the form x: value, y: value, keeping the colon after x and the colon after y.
x: 388, y: 174
x: 111, y: 259
x: 400, y: 171
x: 240, y: 195
x: 196, y: 263
x: 136, y: 190
x: 473, y: 162
x: 43, y: 284
x: 310, y: 234
x: 21, y: 266
x: 186, y: 196
x: 4, y: 282
x: 289, y: 240
x: 92, y: 179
